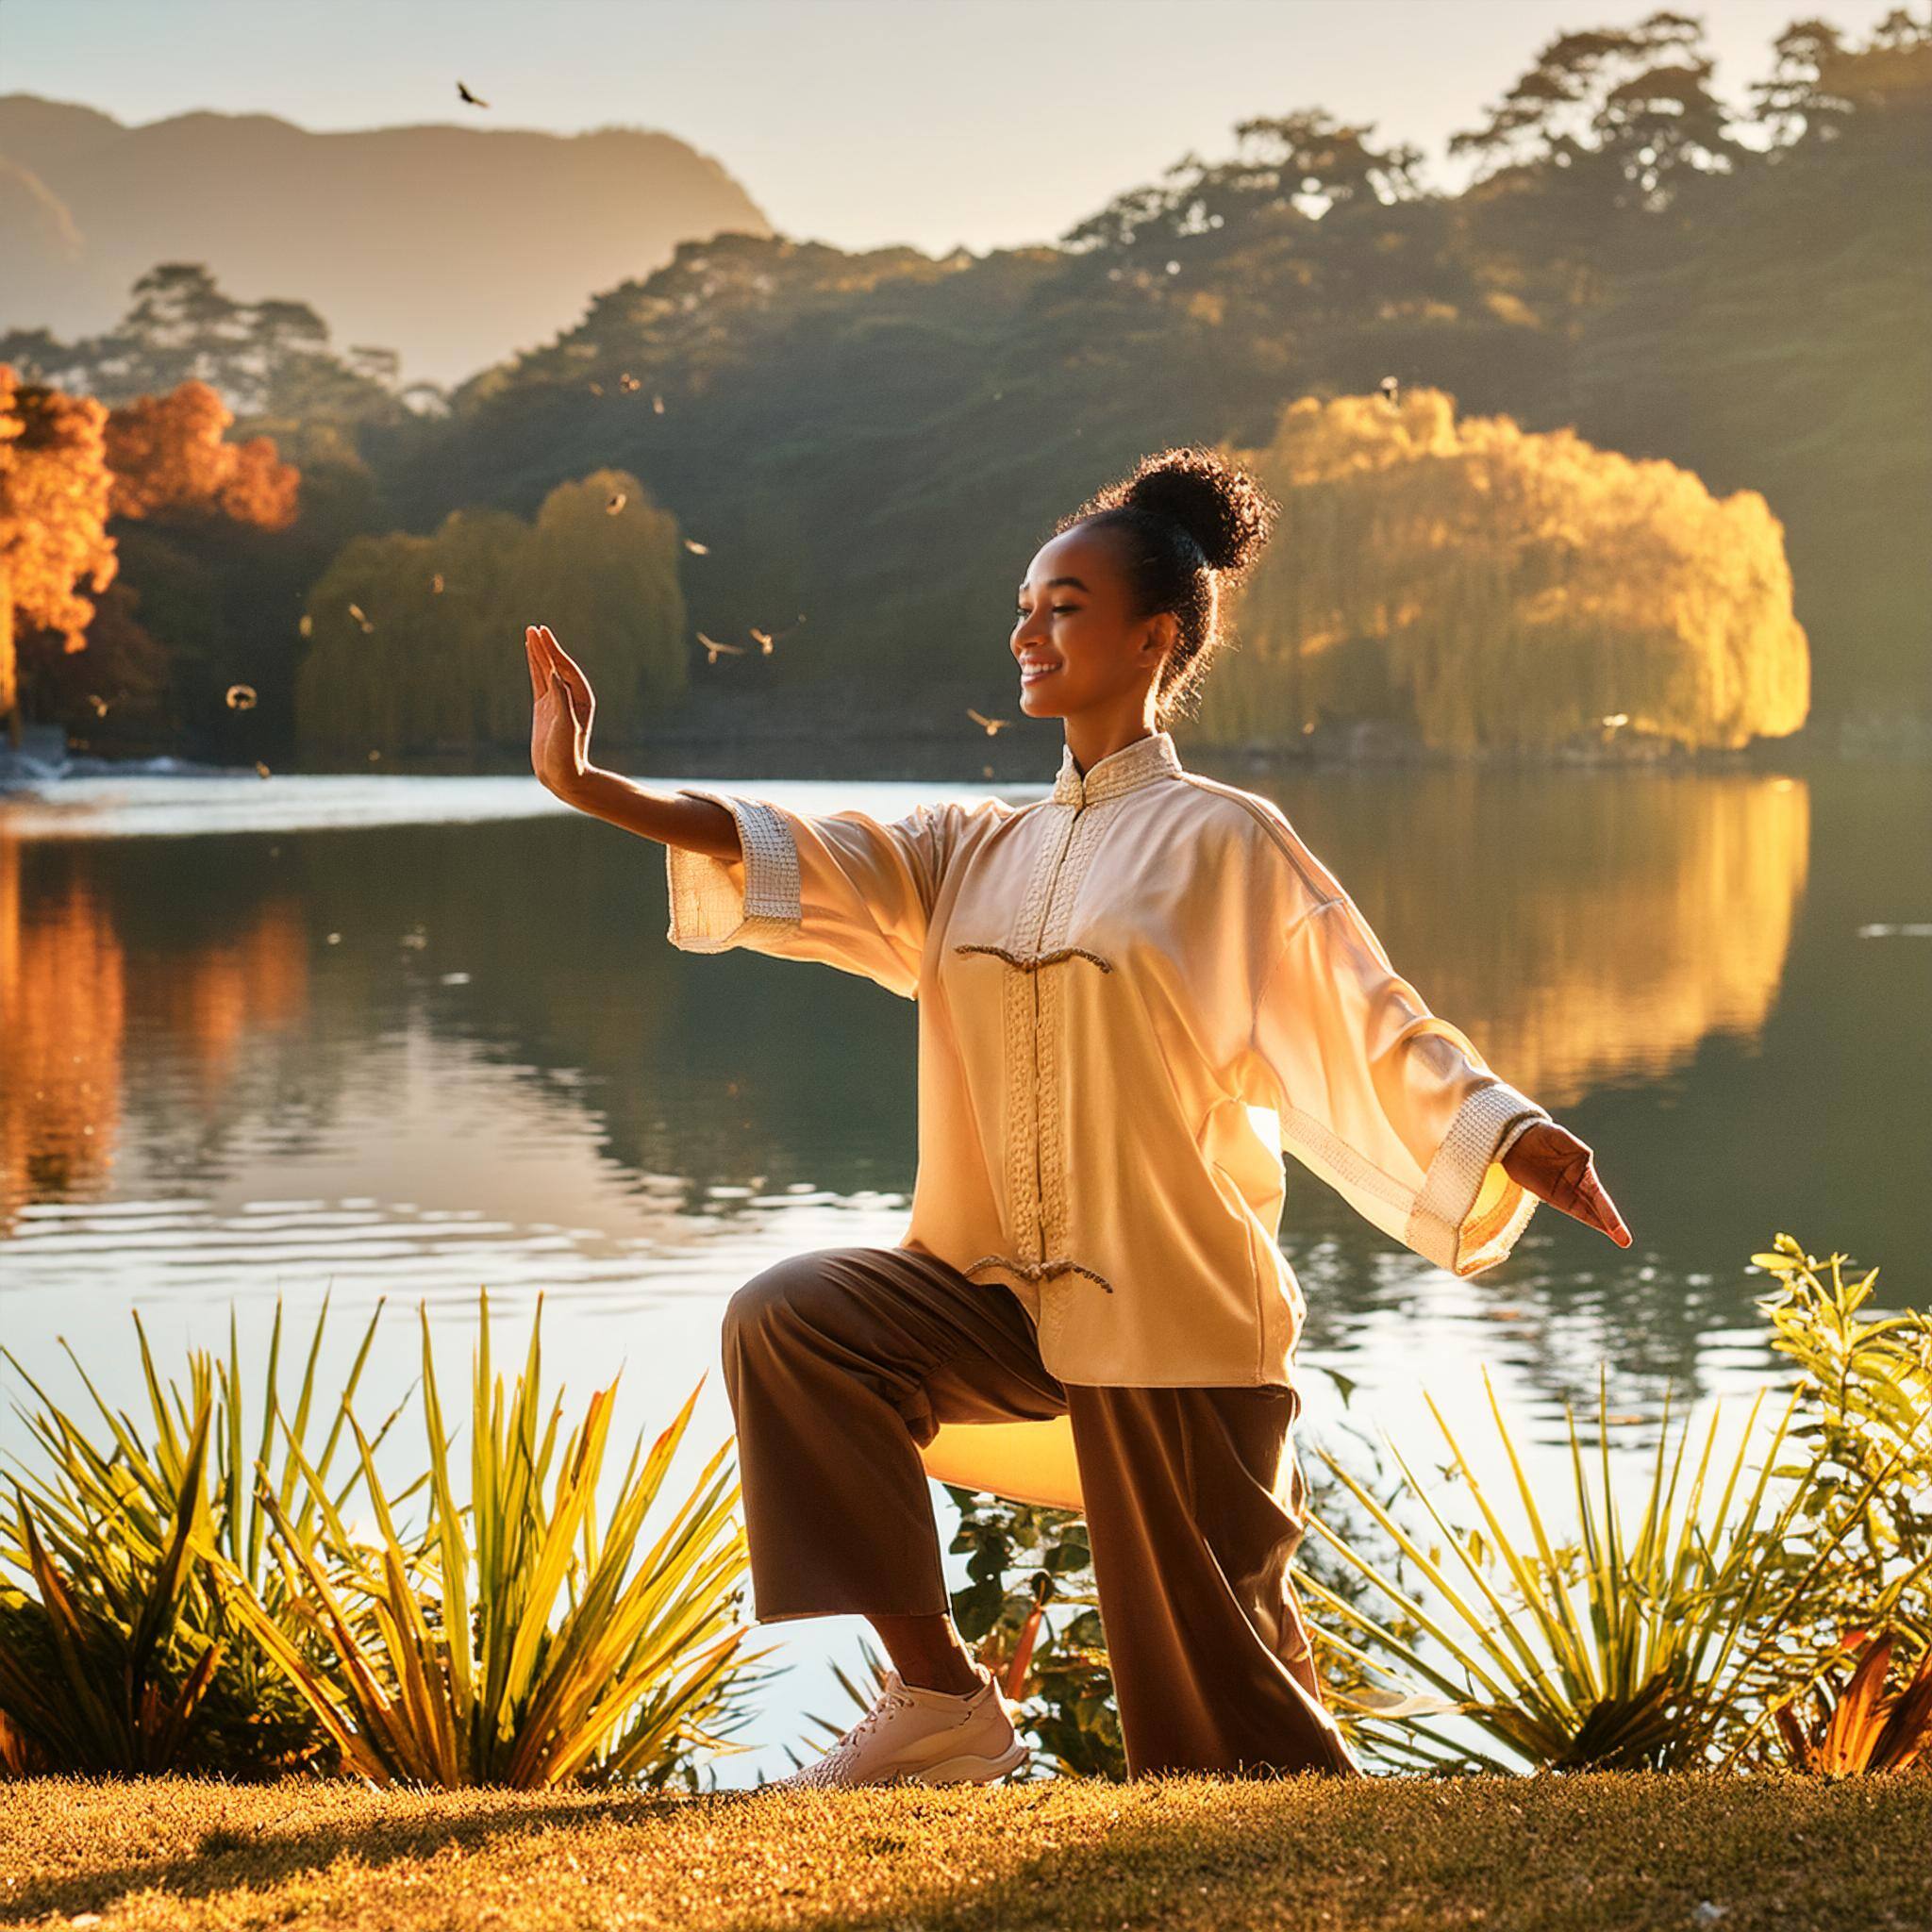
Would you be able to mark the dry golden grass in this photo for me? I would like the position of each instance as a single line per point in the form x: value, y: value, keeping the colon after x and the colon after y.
x: 1582, y: 1852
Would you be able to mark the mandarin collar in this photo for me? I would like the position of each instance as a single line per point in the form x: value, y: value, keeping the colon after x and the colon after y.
x: 1138, y: 763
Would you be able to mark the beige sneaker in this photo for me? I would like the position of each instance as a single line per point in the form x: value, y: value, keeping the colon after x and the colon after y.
x: 914, y: 1735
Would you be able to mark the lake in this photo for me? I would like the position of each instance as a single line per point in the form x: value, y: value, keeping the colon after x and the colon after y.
x: 408, y: 1037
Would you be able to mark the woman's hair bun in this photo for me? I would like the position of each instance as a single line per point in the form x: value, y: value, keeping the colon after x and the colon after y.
x: 1224, y: 509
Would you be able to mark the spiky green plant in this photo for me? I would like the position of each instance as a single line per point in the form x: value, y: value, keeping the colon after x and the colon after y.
x: 99, y: 1508
x: 529, y: 1647
x: 1642, y: 1647
x: 95, y: 1674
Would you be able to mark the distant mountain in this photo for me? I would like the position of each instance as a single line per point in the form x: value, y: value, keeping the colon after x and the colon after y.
x: 454, y: 246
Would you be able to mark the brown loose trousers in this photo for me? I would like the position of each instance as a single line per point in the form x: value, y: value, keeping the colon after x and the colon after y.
x: 842, y: 1362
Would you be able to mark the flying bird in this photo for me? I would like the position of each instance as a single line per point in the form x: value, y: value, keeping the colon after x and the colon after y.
x: 991, y: 725
x: 99, y: 704
x: 1387, y: 387
x: 307, y: 625
x: 356, y: 611
x: 658, y: 405
x: 696, y: 548
x: 713, y: 646
x: 261, y: 770
x: 596, y: 389
x: 627, y: 382
x: 240, y: 698
x: 616, y: 503
x: 464, y: 94
x: 766, y: 639
x: 436, y: 583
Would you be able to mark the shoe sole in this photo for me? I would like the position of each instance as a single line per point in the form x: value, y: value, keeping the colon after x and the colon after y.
x: 975, y: 1771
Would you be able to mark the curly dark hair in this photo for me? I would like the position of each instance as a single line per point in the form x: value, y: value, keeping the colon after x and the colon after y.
x: 1193, y: 525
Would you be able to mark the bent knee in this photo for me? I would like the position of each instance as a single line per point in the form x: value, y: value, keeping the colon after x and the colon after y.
x: 796, y: 1284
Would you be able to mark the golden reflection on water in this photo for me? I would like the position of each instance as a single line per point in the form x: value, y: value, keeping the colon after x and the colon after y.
x: 1582, y: 935
x: 63, y: 999
x: 70, y: 998
x: 1665, y: 920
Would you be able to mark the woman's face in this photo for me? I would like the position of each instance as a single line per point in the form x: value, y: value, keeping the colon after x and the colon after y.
x: 1075, y: 640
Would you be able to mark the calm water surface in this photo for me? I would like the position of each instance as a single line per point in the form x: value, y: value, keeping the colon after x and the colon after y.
x: 406, y: 1037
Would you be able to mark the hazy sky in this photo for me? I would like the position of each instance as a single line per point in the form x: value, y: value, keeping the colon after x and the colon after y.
x: 859, y: 122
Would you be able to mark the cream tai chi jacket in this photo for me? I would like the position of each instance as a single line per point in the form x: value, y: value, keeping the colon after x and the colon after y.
x: 1133, y: 996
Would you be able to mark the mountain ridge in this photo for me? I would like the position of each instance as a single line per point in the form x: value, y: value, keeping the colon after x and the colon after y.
x: 394, y: 233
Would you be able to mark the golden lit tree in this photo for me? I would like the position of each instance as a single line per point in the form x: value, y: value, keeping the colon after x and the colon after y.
x: 54, y: 509
x: 1482, y: 586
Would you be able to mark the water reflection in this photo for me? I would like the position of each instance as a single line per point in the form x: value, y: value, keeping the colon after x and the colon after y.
x: 1591, y: 930
x: 433, y: 1038
x: 486, y: 1019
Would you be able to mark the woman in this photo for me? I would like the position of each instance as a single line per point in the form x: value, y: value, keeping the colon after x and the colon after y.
x: 1118, y: 986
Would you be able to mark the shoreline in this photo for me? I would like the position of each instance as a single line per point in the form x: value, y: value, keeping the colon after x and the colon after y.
x: 900, y: 757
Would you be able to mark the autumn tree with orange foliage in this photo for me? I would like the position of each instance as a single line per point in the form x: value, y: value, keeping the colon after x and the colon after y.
x: 55, y: 493
x: 68, y: 464
x: 166, y: 453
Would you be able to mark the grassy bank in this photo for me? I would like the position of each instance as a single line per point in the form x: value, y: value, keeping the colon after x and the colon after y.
x: 1595, y: 1852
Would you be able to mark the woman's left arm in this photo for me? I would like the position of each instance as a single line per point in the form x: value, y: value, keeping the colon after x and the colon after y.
x: 1397, y: 1109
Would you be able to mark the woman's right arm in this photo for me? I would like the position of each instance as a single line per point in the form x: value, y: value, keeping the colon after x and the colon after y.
x: 562, y: 708
x: 696, y: 825
x: 842, y: 887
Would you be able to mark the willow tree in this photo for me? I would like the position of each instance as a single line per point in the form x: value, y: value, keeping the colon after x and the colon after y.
x: 1487, y: 587
x: 416, y: 641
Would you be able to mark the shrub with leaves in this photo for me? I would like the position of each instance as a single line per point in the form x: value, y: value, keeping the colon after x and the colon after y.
x: 96, y: 1674
x: 1865, y: 1377
x: 1023, y: 1561
x: 1022, y: 1558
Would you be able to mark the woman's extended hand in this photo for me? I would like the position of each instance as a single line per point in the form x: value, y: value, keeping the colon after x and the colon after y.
x: 1554, y: 1166
x: 562, y: 708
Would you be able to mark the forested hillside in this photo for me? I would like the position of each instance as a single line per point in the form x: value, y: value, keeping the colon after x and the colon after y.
x: 882, y: 440
x: 1628, y: 436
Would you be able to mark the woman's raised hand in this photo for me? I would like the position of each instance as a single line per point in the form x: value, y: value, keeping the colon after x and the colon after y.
x: 1554, y: 1166
x: 562, y: 706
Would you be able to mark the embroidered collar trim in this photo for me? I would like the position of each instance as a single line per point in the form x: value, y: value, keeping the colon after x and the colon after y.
x: 1138, y: 763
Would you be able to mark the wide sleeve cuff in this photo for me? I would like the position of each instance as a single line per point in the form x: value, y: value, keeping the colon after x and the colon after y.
x: 1469, y: 1212
x: 720, y: 903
